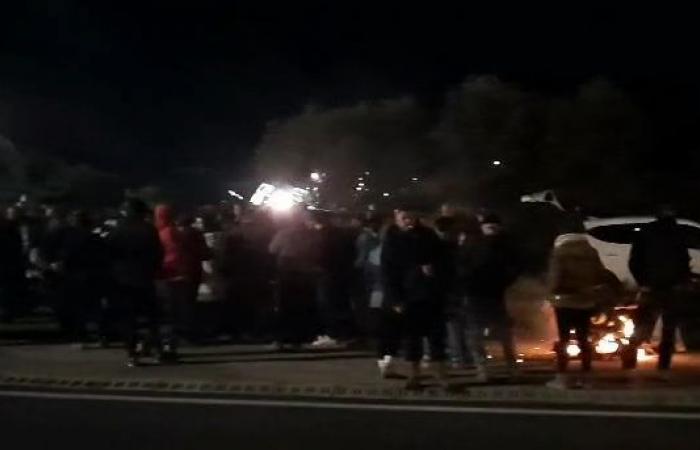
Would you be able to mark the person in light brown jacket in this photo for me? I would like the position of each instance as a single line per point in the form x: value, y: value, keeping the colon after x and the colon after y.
x: 577, y: 279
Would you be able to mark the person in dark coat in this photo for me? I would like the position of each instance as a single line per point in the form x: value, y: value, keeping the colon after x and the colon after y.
x: 411, y: 275
x: 333, y: 264
x: 293, y: 284
x: 491, y: 269
x: 660, y: 263
x: 82, y: 263
x: 12, y: 267
x: 136, y: 258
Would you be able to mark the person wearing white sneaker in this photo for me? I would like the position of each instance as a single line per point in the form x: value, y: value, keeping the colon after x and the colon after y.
x: 413, y: 269
x: 386, y: 366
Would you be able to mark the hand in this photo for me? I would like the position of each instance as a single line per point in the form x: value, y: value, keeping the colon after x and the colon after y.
x: 427, y: 270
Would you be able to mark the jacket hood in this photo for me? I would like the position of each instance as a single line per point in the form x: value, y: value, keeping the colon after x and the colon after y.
x: 163, y: 217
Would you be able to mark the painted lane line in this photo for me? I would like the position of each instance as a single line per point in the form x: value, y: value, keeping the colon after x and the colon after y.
x: 355, y: 406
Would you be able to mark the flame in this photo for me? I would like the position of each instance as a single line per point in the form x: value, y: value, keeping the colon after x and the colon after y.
x: 627, y: 326
x: 607, y: 345
x: 573, y: 350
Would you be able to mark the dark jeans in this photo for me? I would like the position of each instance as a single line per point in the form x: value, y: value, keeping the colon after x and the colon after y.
x: 137, y: 307
x: 664, y: 303
x: 461, y: 327
x: 293, y: 307
x: 333, y: 304
x: 580, y: 321
x: 492, y: 314
x: 79, y: 306
x: 179, y: 307
x: 424, y: 320
x: 387, y: 325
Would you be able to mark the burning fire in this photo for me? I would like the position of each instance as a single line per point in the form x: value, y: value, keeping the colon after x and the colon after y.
x: 613, y: 341
x: 607, y: 345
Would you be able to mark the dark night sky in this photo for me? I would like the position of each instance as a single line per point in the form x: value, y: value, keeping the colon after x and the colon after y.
x: 160, y: 86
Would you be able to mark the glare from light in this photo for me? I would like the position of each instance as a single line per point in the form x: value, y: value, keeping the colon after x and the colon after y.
x: 358, y: 188
x: 573, y: 350
x: 361, y: 184
x: 414, y: 179
x: 262, y: 193
x: 386, y: 194
x: 367, y: 173
x: 315, y: 177
x: 360, y: 179
x: 496, y: 162
x: 637, y: 229
x: 281, y: 201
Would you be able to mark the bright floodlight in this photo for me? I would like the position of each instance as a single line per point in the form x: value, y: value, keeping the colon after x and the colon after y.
x: 281, y: 200
x: 315, y: 177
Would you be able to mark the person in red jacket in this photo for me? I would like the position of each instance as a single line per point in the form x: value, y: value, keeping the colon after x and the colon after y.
x: 172, y: 278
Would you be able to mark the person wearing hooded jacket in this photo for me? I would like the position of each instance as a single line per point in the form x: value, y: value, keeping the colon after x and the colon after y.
x: 577, y: 280
x: 179, y: 275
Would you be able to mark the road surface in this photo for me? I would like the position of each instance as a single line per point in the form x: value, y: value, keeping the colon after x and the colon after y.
x: 75, y: 421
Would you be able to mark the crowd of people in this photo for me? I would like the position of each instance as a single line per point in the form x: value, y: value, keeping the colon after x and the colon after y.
x: 434, y: 283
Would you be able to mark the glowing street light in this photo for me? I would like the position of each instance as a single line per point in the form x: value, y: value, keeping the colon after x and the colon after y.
x: 497, y: 162
x: 386, y: 194
x: 281, y: 201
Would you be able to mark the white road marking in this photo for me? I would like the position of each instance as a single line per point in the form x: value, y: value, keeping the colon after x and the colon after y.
x: 355, y: 406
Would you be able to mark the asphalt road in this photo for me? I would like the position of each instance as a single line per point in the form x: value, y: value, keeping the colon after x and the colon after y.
x: 132, y: 423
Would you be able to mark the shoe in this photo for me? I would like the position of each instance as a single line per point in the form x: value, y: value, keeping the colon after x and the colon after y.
x: 481, y: 376
x: 559, y: 382
x: 386, y: 367
x: 276, y: 347
x: 132, y: 362
x: 324, y: 341
x: 320, y: 341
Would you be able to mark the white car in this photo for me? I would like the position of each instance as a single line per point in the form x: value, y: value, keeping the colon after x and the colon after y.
x: 613, y: 237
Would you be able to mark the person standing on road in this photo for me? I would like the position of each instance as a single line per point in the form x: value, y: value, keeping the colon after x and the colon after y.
x: 293, y: 283
x: 136, y: 258
x: 82, y: 262
x: 411, y: 271
x: 576, y: 278
x: 333, y: 267
x: 493, y: 266
x: 384, y: 322
x: 12, y: 267
x: 660, y: 263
